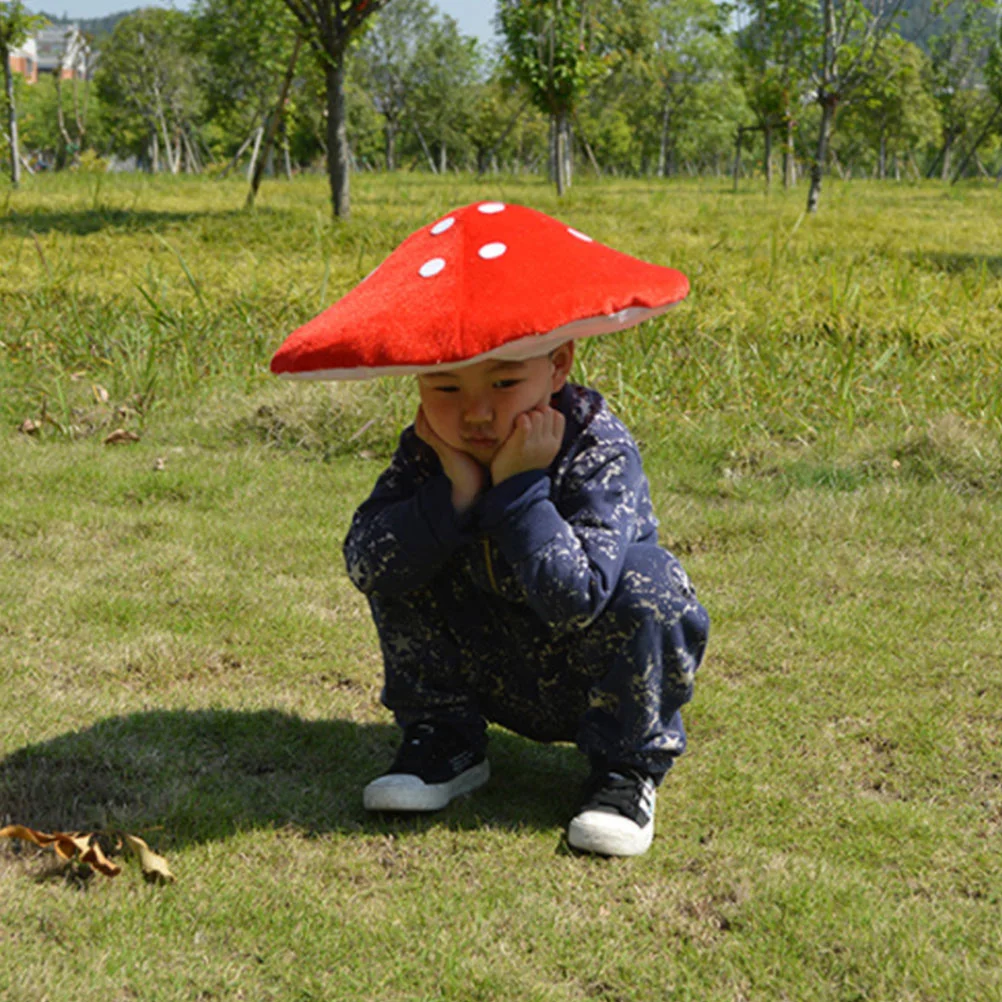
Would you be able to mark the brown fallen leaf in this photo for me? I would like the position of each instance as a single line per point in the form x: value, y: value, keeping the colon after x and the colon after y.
x: 155, y: 868
x: 67, y: 845
x: 159, y: 464
x: 101, y: 395
x: 29, y: 427
x: 121, y: 436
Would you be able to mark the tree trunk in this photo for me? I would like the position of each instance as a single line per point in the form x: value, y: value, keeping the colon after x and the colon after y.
x: 432, y: 166
x: 273, y: 122
x: 240, y: 152
x: 252, y: 166
x: 947, y: 156
x: 977, y: 142
x: 561, y: 152
x: 15, y: 155
x: 553, y: 149
x: 568, y: 150
x: 767, y: 129
x: 443, y: 158
x: 489, y: 157
x: 391, y: 144
x: 63, y: 152
x: 663, y: 145
x: 338, y: 161
x: 788, y: 165
x: 589, y: 152
x: 739, y: 139
x: 821, y: 155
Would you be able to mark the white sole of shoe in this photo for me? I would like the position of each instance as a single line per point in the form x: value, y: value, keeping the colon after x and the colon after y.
x: 403, y: 792
x: 609, y: 834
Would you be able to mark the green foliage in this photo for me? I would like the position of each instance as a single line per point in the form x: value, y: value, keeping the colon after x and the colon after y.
x: 550, y: 48
x: 683, y: 84
x: 775, y: 48
x: 424, y: 78
x: 894, y: 111
x: 16, y: 24
x: 646, y: 87
x: 959, y: 52
x: 39, y: 119
x: 245, y: 47
x: 148, y: 79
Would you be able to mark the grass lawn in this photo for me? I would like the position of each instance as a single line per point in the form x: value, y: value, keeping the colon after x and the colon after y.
x: 183, y: 657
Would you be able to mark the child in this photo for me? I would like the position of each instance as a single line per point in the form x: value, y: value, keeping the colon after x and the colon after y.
x: 509, y: 551
x: 510, y: 559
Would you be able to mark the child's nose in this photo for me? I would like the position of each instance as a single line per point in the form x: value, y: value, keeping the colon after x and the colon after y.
x: 477, y: 411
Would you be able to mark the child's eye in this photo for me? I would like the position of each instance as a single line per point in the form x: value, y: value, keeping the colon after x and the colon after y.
x: 506, y: 384
x: 446, y: 389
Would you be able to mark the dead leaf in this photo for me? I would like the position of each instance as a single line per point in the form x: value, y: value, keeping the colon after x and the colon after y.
x: 68, y: 846
x: 159, y: 464
x: 155, y: 868
x: 101, y: 395
x: 121, y: 436
x: 29, y: 427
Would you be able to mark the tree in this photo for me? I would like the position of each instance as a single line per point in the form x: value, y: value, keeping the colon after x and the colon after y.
x: 149, y: 75
x: 387, y: 60
x: 76, y: 52
x: 849, y: 38
x: 772, y: 69
x: 16, y: 24
x: 689, y: 49
x: 894, y: 108
x: 447, y: 75
x: 958, y: 52
x: 246, y: 48
x: 331, y: 26
x: 504, y: 127
x: 549, y: 49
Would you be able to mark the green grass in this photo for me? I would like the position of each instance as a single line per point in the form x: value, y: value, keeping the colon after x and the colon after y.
x: 182, y: 656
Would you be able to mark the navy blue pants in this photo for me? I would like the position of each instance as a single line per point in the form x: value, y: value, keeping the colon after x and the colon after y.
x: 456, y: 654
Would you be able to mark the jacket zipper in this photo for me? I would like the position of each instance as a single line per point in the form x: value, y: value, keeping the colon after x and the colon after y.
x: 490, y: 565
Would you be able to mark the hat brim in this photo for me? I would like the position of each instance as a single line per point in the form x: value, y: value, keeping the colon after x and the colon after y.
x: 521, y: 349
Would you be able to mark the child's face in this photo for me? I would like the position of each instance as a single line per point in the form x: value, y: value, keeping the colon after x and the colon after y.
x: 473, y: 408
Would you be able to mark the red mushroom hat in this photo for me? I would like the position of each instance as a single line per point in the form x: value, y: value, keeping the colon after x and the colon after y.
x: 490, y: 280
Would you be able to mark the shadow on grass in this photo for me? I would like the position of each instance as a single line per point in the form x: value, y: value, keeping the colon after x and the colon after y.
x: 957, y: 264
x: 83, y: 222
x: 198, y: 776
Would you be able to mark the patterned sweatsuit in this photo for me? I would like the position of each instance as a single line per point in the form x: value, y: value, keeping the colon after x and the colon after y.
x: 548, y: 607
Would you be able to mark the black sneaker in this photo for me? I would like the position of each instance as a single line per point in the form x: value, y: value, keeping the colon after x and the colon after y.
x: 617, y: 817
x: 434, y: 765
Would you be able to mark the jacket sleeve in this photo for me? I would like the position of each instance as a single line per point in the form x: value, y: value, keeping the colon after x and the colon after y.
x: 568, y: 554
x: 407, y: 529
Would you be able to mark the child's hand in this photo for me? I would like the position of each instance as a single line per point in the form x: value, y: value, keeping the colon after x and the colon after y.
x: 532, y: 445
x: 468, y: 477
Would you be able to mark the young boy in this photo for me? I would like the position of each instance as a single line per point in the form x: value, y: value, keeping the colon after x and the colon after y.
x: 509, y: 555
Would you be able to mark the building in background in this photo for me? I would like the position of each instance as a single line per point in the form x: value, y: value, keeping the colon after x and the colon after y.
x: 24, y: 60
x: 58, y: 49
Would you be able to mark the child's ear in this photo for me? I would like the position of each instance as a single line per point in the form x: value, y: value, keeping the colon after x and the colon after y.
x: 562, y: 359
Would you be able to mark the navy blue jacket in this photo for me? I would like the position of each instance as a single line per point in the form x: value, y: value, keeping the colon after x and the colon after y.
x: 554, y: 539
